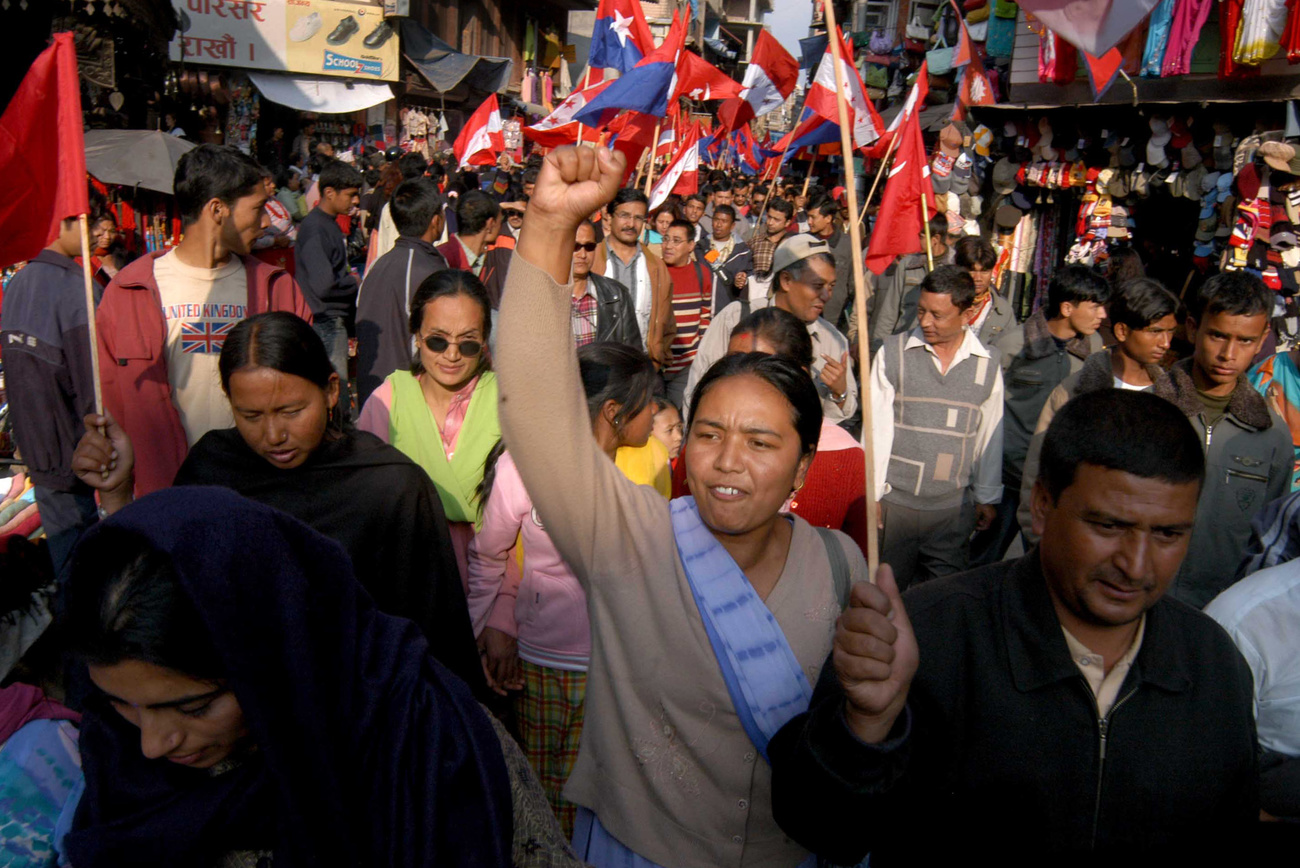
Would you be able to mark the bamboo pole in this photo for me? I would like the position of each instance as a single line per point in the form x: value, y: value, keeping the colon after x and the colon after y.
x: 880, y: 173
x: 808, y: 179
x: 859, y: 296
x: 654, y: 152
x: 90, y: 313
x: 925, y: 226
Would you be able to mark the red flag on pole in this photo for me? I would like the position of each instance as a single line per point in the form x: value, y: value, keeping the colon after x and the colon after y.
x: 482, y: 138
x: 42, y: 154
x: 682, y: 175
x: 770, y: 78
x: 899, y: 224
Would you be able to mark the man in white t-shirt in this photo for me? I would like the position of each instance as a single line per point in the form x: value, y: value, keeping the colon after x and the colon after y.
x: 165, y: 317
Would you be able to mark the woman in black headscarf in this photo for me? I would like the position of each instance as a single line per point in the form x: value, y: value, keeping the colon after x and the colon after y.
x: 291, y: 449
x: 251, y: 701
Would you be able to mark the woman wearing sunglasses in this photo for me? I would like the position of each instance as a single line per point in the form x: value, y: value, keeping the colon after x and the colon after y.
x: 291, y: 449
x: 443, y: 411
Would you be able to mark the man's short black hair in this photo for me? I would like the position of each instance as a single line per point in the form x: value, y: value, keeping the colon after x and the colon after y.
x: 824, y: 205
x: 213, y: 172
x: 338, y: 176
x: 781, y: 206
x: 411, y: 165
x: 626, y: 195
x: 1139, y: 303
x: 1075, y: 284
x: 679, y: 223
x: 1236, y: 293
x: 1118, y: 429
x: 414, y: 204
x: 974, y: 251
x: 473, y: 211
x: 696, y: 197
x: 725, y: 210
x: 530, y: 176
x: 953, y: 282
x: 722, y: 186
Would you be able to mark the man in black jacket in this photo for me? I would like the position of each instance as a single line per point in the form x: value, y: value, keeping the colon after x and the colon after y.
x: 384, y: 304
x: 1061, y: 705
x: 602, y: 308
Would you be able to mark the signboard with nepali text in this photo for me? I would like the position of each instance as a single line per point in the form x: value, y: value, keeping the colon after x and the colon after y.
x: 320, y: 37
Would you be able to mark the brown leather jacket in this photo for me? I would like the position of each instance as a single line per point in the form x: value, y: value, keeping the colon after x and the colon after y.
x: 663, y: 327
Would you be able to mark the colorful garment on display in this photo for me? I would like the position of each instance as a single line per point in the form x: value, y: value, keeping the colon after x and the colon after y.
x: 1153, y: 56
x: 1189, y: 17
x: 1260, y: 34
x: 1278, y: 380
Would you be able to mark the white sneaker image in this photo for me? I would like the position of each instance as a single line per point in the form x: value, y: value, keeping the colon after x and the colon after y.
x: 305, y: 28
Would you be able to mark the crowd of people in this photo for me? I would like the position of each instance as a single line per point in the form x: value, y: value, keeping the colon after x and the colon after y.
x: 522, y: 524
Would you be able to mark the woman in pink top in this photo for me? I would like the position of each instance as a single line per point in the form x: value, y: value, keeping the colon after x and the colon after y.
x: 534, y: 633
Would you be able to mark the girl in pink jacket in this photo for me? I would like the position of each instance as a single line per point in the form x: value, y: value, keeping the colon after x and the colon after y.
x: 535, y: 636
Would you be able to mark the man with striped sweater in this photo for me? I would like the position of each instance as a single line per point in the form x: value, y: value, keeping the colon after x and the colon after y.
x: 692, y: 301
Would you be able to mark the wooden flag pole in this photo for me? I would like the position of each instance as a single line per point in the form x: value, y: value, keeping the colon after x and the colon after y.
x: 880, y: 173
x: 808, y: 180
x: 654, y: 152
x: 859, y: 295
x: 925, y: 226
x: 90, y: 313
x: 640, y: 169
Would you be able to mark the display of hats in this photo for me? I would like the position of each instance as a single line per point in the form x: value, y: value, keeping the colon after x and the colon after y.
x: 1282, y: 235
x: 1210, y: 183
x: 1248, y: 181
x: 1190, y: 157
x: 1193, y: 181
x: 1043, y: 149
x: 1179, y: 134
x: 950, y: 141
x: 1222, y: 146
x: 983, y: 140
x: 1004, y: 176
x: 1118, y: 223
x: 1207, y: 227
x: 1008, y: 217
x: 1141, y: 186
x: 1021, y: 200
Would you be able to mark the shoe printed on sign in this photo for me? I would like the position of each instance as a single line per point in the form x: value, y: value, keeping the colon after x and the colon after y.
x: 347, y: 28
x: 378, y: 36
x: 305, y: 28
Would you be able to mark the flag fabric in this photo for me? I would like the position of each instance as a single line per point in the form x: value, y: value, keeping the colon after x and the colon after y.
x: 913, y: 105
x: 482, y: 138
x: 899, y: 224
x: 769, y: 80
x: 633, y: 133
x: 812, y: 131
x: 867, y: 126
x: 42, y: 154
x: 973, y: 86
x: 1102, y: 71
x: 559, y: 128
x: 621, y: 37
x: 645, y: 87
x: 683, y: 174
x: 699, y: 79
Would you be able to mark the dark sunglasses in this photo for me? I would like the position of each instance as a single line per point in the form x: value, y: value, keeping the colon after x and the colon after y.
x: 589, y: 246
x: 439, y: 344
x: 511, y: 212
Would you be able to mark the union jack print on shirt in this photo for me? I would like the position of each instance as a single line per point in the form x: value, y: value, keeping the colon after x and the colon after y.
x: 204, y: 336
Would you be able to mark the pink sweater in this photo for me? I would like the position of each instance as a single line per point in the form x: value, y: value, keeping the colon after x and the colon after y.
x: 547, y: 610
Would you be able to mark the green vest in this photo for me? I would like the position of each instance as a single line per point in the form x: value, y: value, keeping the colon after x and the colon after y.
x: 412, y: 430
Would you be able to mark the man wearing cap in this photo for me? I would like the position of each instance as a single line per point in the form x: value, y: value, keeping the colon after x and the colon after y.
x: 823, y: 222
x: 894, y: 308
x: 936, y: 399
x: 803, y: 273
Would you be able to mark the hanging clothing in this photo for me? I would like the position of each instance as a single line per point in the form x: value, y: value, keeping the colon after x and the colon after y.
x: 367, y: 750
x: 1159, y: 24
x: 1185, y: 31
x: 377, y: 504
x: 1230, y: 22
x: 530, y: 42
x: 1260, y: 34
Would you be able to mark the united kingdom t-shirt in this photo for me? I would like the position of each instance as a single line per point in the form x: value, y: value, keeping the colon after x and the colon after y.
x: 200, y: 306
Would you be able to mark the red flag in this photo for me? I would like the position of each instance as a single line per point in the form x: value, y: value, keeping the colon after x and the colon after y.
x: 913, y: 106
x: 898, y: 227
x: 769, y: 79
x: 636, y: 132
x: 1102, y: 71
x: 42, y: 154
x: 867, y: 126
x: 559, y: 128
x: 682, y: 175
x: 482, y: 138
x: 699, y: 79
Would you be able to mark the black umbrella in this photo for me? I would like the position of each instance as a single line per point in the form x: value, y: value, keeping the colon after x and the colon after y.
x: 134, y: 158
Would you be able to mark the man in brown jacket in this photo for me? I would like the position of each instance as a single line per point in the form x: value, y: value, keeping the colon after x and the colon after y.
x: 623, y: 257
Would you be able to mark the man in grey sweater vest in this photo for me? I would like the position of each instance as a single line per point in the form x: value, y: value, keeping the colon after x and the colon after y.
x: 936, y: 395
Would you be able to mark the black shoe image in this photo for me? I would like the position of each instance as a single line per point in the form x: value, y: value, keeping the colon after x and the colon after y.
x: 346, y: 30
x: 378, y: 36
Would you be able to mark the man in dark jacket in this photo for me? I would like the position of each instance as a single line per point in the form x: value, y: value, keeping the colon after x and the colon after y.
x: 1057, y: 705
x: 321, y: 259
x: 45, y: 338
x: 1036, y: 356
x: 823, y: 221
x: 602, y: 308
x: 1247, y: 446
x: 384, y: 303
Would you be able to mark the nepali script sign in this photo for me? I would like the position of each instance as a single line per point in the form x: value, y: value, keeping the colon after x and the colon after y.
x: 320, y: 37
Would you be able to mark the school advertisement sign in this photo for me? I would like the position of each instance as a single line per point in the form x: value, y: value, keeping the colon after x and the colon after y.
x: 320, y: 37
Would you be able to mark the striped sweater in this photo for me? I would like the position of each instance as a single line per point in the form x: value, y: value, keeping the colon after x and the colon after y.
x: 692, y: 308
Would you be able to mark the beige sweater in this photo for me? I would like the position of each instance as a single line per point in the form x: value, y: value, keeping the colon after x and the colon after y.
x: 664, y: 761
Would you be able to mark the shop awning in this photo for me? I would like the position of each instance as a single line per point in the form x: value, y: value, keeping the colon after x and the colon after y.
x: 444, y: 67
x: 320, y: 94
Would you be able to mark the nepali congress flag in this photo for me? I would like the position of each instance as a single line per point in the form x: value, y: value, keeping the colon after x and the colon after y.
x: 900, y: 223
x: 645, y: 87
x: 42, y: 154
x: 683, y: 175
x: 914, y: 103
x: 700, y: 80
x: 621, y: 37
x: 769, y: 81
x: 812, y: 131
x: 559, y: 128
x: 866, y: 123
x: 482, y: 138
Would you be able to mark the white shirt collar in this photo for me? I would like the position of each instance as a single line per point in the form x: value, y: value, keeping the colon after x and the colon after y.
x: 970, y: 345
